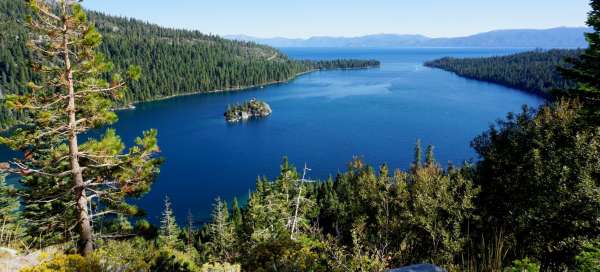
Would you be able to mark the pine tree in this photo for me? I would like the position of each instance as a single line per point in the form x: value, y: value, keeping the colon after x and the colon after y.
x: 190, y: 231
x: 237, y: 214
x: 168, y: 226
x: 586, y: 69
x: 271, y: 208
x: 222, y: 233
x: 64, y: 180
x: 439, y: 204
x: 9, y: 213
x: 429, y: 156
x: 418, y: 161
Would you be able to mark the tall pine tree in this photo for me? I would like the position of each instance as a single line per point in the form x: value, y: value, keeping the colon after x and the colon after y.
x: 222, y: 234
x: 69, y: 185
x: 418, y: 161
x: 236, y: 216
x: 168, y: 226
x: 586, y: 69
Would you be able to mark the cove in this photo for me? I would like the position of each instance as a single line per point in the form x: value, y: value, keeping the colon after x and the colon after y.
x: 322, y: 119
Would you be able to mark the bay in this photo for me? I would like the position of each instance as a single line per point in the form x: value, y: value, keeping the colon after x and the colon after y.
x: 322, y: 119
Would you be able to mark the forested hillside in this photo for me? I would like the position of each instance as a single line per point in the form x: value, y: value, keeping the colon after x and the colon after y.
x: 173, y: 61
x: 535, y: 71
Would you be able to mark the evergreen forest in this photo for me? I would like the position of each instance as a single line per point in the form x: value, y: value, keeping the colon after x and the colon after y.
x: 174, y: 62
x: 538, y: 72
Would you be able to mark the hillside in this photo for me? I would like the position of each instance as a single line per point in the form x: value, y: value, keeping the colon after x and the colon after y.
x: 535, y: 71
x: 173, y: 61
x: 562, y: 37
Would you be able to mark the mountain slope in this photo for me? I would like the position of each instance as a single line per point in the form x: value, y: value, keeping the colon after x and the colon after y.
x: 562, y: 37
x: 173, y: 61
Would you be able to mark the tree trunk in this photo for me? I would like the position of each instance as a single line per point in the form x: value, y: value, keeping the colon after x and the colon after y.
x: 85, y: 228
x: 295, y: 218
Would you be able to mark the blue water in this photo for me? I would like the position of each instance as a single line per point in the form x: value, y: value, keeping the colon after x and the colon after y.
x: 322, y: 119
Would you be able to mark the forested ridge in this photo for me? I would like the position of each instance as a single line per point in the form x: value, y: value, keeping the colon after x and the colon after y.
x: 173, y: 61
x: 535, y: 71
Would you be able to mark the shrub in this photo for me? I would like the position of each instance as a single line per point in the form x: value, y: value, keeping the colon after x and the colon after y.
x: 220, y: 267
x: 524, y: 265
x: 174, y: 261
x: 126, y: 256
x: 589, y: 258
x: 67, y: 263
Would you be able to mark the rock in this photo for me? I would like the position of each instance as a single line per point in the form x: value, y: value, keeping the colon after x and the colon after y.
x: 12, y: 261
x: 419, y: 268
x: 245, y: 115
x: 7, y: 252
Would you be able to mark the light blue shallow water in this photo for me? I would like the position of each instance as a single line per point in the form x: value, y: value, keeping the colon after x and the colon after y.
x: 323, y: 119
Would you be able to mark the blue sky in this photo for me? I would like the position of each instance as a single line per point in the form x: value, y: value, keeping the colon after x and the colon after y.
x: 305, y: 18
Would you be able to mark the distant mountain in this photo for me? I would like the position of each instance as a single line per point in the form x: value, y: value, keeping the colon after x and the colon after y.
x: 379, y: 40
x: 562, y: 37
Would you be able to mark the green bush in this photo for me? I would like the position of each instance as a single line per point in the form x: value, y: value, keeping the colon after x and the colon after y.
x: 67, y: 263
x: 524, y: 265
x: 589, y: 258
x: 221, y: 267
x: 174, y: 261
x: 127, y: 256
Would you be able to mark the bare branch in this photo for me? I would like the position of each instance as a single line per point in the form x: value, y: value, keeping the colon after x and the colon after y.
x: 44, y: 10
x: 103, y: 90
x: 103, y: 213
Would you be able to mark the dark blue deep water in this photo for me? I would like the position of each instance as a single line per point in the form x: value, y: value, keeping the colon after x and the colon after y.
x: 322, y: 119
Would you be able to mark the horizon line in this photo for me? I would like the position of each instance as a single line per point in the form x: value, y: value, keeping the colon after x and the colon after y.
x: 395, y: 34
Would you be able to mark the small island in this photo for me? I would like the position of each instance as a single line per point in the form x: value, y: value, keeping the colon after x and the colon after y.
x: 247, y: 110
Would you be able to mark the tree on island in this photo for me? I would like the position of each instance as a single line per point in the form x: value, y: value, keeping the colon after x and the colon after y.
x: 67, y: 184
x: 250, y: 109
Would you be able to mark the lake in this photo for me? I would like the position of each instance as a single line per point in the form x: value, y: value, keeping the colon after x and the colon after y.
x: 322, y: 119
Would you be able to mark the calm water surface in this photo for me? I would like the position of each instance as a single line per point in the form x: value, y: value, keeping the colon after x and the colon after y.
x: 323, y: 119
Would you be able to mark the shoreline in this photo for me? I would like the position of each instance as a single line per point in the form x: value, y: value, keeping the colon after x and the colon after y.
x: 541, y: 94
x: 127, y: 107
x: 132, y: 105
